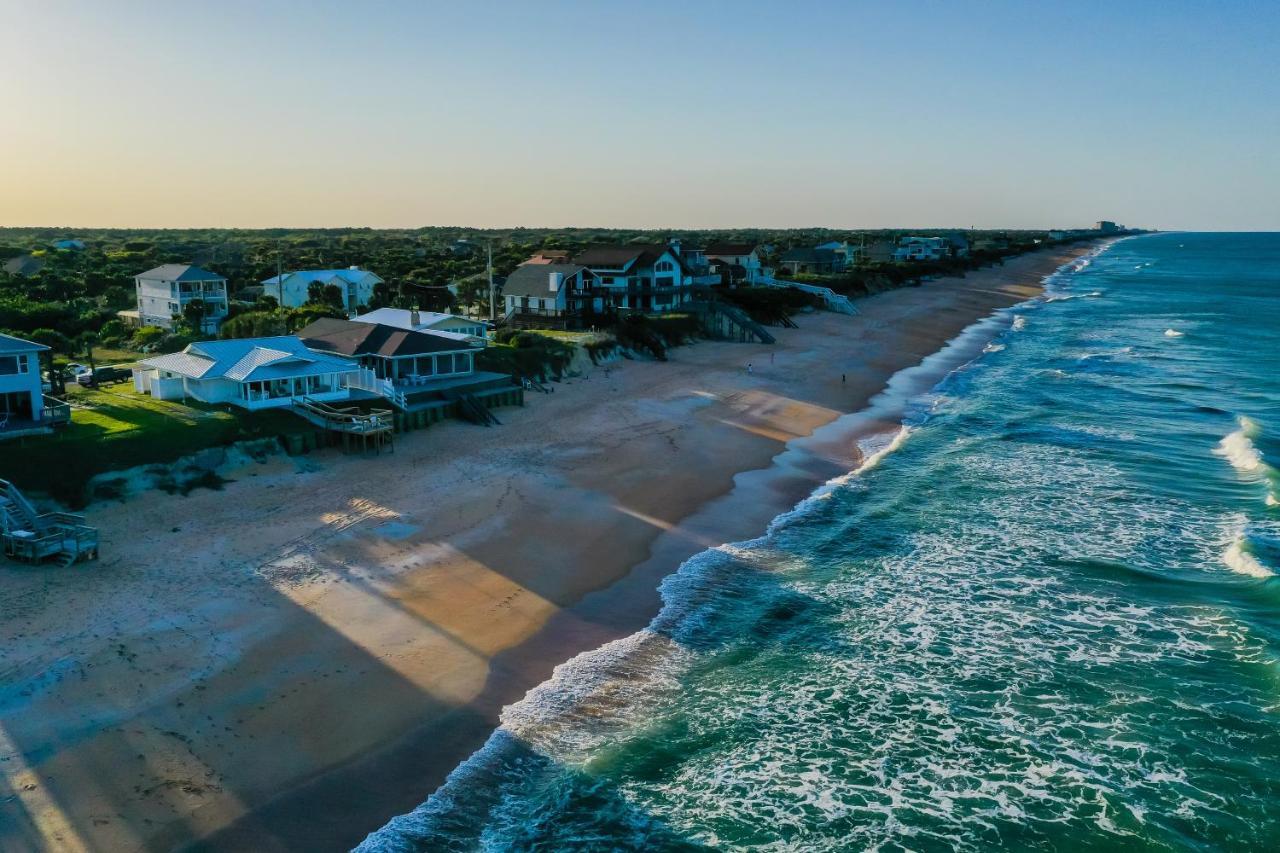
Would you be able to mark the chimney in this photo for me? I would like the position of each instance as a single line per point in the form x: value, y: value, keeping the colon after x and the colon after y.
x: 554, y: 280
x: 414, y: 317
x: 675, y: 247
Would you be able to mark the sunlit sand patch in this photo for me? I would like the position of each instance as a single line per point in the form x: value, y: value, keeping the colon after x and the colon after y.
x: 50, y: 821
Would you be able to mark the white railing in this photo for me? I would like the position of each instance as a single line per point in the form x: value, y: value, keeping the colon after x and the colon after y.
x: 365, y: 379
x: 833, y: 301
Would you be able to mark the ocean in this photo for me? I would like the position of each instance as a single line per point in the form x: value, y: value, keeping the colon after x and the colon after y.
x: 1043, y: 616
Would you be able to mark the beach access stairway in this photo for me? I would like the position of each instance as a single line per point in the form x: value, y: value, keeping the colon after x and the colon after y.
x: 36, y: 537
x: 832, y: 301
x: 729, y: 322
x: 372, y: 427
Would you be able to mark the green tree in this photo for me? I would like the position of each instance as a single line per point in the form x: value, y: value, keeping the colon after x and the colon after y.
x: 87, y: 341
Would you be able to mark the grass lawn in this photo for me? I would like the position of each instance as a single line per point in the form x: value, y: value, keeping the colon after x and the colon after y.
x: 115, y: 427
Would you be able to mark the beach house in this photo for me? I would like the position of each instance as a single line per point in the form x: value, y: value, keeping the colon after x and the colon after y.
x: 166, y: 292
x: 923, y: 249
x: 811, y: 261
x: 546, y: 295
x: 737, y: 263
x: 293, y: 289
x: 252, y: 373
x: 414, y: 320
x: 24, y: 265
x: 24, y: 410
x: 643, y: 277
x: 848, y: 253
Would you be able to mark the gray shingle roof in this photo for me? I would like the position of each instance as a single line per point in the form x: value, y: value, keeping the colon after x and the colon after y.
x: 534, y: 279
x: 350, y: 338
x: 180, y: 272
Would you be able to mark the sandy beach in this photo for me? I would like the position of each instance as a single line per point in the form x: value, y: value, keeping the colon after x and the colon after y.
x: 290, y: 661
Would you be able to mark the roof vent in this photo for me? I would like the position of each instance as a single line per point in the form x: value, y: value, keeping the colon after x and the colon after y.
x: 414, y: 316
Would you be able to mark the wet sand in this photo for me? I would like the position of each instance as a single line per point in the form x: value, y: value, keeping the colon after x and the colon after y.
x: 290, y: 661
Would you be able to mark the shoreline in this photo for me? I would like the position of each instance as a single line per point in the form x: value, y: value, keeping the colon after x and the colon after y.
x: 418, y: 596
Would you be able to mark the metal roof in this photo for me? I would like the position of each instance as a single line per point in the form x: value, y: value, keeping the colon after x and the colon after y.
x: 307, y: 276
x: 249, y: 360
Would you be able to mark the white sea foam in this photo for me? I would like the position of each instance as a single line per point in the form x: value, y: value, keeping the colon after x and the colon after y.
x: 1238, y: 449
x: 1019, y: 323
x: 608, y: 685
x: 1173, y: 333
x: 1240, y: 560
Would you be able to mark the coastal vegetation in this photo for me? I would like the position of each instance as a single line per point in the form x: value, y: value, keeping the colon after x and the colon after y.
x: 68, y: 298
x: 115, y: 428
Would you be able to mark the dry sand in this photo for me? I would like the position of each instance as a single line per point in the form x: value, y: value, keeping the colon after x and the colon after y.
x: 290, y: 661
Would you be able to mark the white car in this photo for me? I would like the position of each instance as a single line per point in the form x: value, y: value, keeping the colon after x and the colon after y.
x: 76, y: 369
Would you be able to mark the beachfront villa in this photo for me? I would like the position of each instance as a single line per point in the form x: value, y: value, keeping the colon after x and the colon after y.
x: 393, y: 360
x: 923, y: 249
x: 24, y: 410
x: 251, y: 373
x: 640, y: 277
x: 738, y: 263
x: 848, y: 253
x: 811, y: 261
x: 554, y: 295
x: 425, y: 321
x: 293, y: 289
x: 165, y: 292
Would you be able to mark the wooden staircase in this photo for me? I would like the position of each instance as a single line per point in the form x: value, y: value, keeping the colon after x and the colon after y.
x: 34, y: 537
x: 729, y: 321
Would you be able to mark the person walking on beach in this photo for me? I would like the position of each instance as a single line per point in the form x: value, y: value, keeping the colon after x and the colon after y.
x: 749, y: 370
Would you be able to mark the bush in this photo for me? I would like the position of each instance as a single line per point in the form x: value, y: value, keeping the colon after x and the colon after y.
x: 526, y: 355
x: 112, y: 332
x: 147, y: 336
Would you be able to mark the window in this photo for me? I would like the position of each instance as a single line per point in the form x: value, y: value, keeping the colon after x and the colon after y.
x: 664, y: 266
x: 11, y: 365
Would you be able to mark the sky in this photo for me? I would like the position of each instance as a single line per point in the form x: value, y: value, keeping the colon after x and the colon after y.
x: 692, y: 114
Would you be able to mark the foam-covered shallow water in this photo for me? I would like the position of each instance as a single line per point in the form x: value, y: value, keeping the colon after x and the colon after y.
x: 1044, y: 617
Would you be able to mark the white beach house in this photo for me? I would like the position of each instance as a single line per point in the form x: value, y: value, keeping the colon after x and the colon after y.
x: 165, y: 292
x: 252, y: 373
x: 293, y: 289
x: 740, y: 262
x: 414, y: 320
x: 556, y: 295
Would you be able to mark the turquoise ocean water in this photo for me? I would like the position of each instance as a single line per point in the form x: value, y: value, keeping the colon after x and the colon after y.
x: 1046, y: 618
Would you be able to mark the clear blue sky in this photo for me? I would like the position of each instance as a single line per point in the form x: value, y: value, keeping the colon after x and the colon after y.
x: 645, y: 114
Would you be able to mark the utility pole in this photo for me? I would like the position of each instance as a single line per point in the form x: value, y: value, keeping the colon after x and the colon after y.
x: 493, y: 300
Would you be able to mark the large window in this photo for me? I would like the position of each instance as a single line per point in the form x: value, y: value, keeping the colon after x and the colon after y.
x: 11, y: 365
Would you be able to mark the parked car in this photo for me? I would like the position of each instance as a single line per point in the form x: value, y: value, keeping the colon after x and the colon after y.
x: 76, y: 369
x: 105, y: 376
